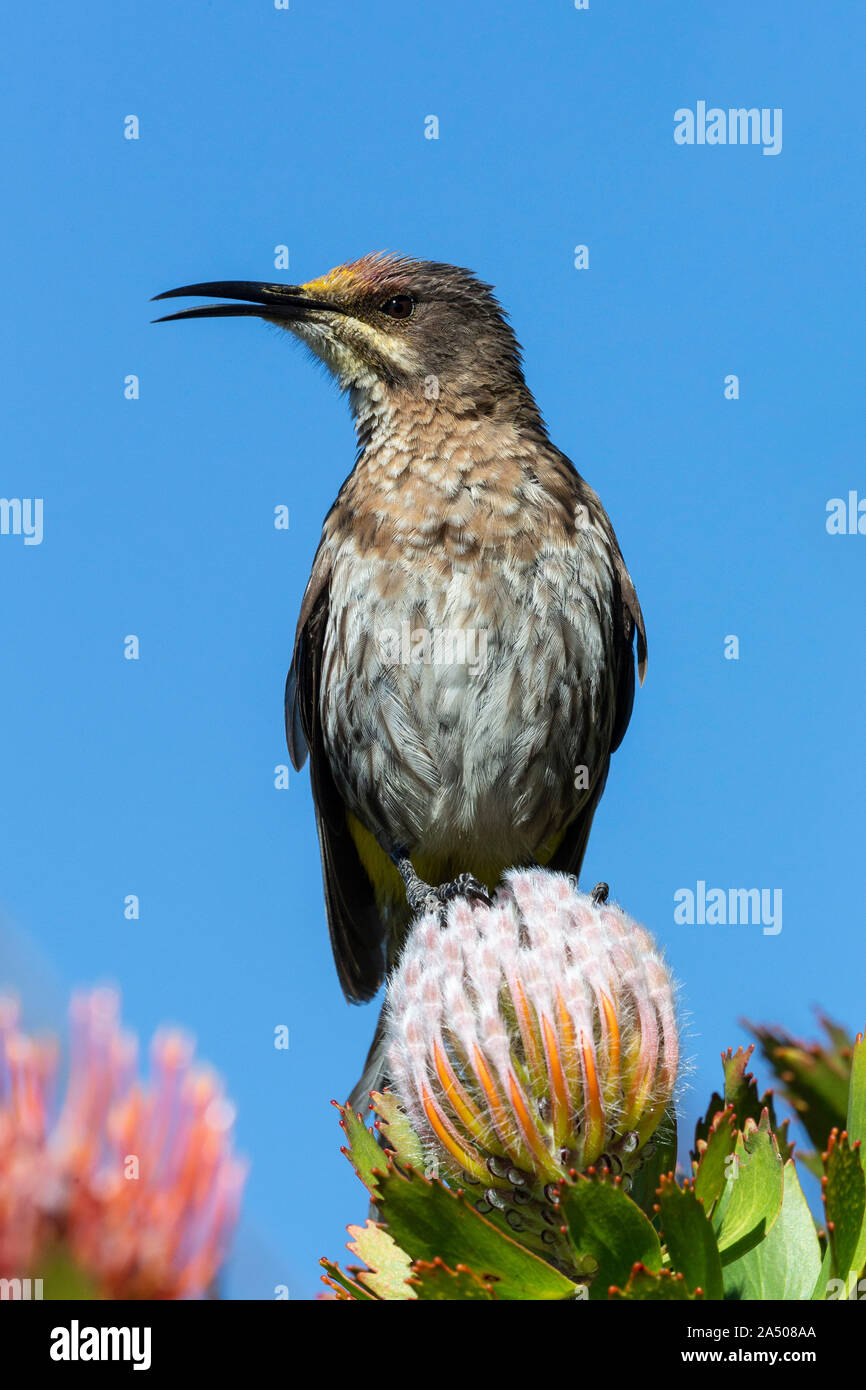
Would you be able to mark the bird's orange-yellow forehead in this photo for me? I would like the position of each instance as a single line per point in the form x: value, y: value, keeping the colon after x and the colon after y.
x: 358, y: 277
x: 339, y: 280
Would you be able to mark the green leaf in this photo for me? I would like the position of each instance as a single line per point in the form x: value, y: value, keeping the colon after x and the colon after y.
x: 840, y: 1038
x: 690, y: 1239
x: 388, y: 1267
x: 785, y: 1265
x: 437, y: 1281
x: 752, y: 1198
x: 655, y: 1286
x: 428, y: 1220
x: 857, y: 1129
x: 606, y: 1227
x: 396, y: 1130
x: 362, y: 1150
x: 844, y: 1203
x: 821, y: 1291
x: 741, y: 1090
x: 344, y: 1287
x: 713, y: 1153
x: 741, y: 1094
x: 660, y: 1157
x: 856, y: 1125
x: 814, y: 1077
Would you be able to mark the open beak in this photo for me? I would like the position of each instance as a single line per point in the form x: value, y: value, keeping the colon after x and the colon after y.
x: 288, y: 303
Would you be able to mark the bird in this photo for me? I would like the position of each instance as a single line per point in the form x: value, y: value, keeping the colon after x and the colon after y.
x: 464, y: 660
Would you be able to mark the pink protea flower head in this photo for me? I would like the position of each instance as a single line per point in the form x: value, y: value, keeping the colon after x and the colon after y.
x: 136, y: 1184
x: 534, y: 1037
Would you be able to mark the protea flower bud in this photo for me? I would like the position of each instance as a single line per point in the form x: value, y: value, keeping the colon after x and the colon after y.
x: 532, y: 1038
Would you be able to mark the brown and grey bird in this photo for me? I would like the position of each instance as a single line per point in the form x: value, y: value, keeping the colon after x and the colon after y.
x: 463, y: 666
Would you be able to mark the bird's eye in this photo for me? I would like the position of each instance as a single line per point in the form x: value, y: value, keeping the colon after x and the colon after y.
x: 399, y: 306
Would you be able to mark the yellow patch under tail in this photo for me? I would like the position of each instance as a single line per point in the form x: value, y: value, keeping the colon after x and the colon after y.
x: 388, y: 885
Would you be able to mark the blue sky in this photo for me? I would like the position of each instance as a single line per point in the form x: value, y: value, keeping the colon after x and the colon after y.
x: 305, y: 128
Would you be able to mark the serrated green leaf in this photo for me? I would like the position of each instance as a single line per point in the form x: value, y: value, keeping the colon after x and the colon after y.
x: 437, y: 1282
x: 741, y: 1094
x: 786, y: 1264
x: 741, y: 1090
x: 844, y: 1202
x: 713, y: 1153
x: 337, y: 1280
x: 661, y: 1159
x: 428, y: 1220
x: 605, y: 1225
x: 388, y: 1267
x: 690, y: 1239
x: 656, y: 1286
x: 362, y: 1149
x: 396, y: 1130
x: 752, y: 1198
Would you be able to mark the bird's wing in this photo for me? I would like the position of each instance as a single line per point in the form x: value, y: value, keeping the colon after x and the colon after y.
x: 632, y: 608
x: 628, y: 618
x: 572, y: 847
x: 301, y: 711
x: 629, y: 627
x: 569, y: 854
x: 354, y: 921
x: 632, y: 630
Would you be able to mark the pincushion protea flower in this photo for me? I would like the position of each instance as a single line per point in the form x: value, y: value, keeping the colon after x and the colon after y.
x: 532, y: 1038
x: 136, y: 1185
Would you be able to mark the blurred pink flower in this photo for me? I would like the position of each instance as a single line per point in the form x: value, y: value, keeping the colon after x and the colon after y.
x: 136, y: 1184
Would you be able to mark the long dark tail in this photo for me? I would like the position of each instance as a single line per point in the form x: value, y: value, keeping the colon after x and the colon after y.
x: 374, y: 1076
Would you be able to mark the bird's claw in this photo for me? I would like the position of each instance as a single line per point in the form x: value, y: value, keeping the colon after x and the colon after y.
x: 430, y: 899
x: 466, y: 886
x: 600, y: 893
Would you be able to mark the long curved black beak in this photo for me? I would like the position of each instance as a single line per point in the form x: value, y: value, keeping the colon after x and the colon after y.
x: 285, y: 302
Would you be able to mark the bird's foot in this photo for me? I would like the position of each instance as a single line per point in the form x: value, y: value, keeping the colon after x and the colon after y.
x: 463, y: 886
x: 436, y: 898
x: 425, y: 897
x: 600, y: 893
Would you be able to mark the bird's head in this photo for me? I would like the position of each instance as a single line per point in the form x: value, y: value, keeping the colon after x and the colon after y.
x: 389, y: 322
